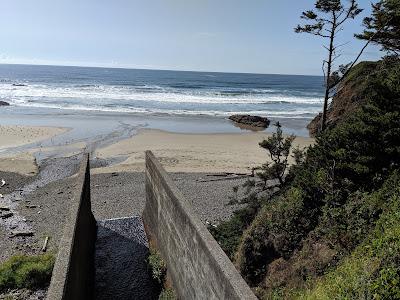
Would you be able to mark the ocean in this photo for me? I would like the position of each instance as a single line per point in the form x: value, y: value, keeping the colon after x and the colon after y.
x: 156, y: 92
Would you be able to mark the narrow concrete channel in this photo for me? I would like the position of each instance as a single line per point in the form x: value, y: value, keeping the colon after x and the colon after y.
x: 120, y: 261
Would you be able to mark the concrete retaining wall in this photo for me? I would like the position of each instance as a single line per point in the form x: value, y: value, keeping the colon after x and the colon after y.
x: 198, y: 267
x: 73, y: 273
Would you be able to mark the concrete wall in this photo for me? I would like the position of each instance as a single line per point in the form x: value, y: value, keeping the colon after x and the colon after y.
x: 73, y: 274
x: 197, y: 266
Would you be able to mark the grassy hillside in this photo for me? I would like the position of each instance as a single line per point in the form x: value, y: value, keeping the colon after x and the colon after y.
x: 372, y: 270
x: 324, y: 234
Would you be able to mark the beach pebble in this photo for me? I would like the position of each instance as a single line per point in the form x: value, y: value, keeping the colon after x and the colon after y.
x: 6, y: 215
x: 21, y: 233
x: 31, y: 206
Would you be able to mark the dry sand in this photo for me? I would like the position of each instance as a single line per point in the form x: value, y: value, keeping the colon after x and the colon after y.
x: 226, y: 152
x: 15, y: 135
x: 178, y: 152
x: 21, y: 163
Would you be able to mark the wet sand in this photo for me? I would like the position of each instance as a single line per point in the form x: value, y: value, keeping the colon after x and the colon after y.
x: 182, y: 144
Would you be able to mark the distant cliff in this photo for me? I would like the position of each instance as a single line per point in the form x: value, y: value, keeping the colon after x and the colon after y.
x: 351, y: 94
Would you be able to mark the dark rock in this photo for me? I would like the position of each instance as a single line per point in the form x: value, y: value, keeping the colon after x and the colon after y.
x: 21, y: 233
x: 3, y: 103
x: 255, y: 121
x: 6, y: 215
x: 31, y: 206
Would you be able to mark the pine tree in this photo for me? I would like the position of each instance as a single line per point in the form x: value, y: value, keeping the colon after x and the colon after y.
x: 383, y: 26
x: 327, y: 21
x: 278, y: 148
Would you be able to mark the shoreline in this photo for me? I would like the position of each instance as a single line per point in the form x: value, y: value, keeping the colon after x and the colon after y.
x: 175, y: 123
x: 122, y: 147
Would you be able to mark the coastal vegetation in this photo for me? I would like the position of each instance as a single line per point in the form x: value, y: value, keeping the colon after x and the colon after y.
x: 157, y: 265
x: 337, y: 210
x: 158, y: 269
x: 383, y: 26
x: 331, y: 229
x: 326, y: 21
x: 278, y: 148
x: 26, y: 271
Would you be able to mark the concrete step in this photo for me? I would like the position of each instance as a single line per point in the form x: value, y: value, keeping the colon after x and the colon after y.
x: 120, y: 261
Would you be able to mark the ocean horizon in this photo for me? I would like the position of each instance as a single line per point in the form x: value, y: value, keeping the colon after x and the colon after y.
x: 155, y: 92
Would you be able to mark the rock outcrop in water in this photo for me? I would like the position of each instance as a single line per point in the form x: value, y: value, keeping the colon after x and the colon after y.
x: 3, y: 103
x: 254, y: 121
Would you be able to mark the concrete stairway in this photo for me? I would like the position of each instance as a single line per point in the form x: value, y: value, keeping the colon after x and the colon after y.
x: 120, y: 261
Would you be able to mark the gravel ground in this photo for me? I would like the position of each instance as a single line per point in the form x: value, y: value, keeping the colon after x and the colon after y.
x: 45, y: 210
x: 23, y: 294
x: 13, y: 181
x: 208, y: 198
x: 121, y: 269
x: 123, y: 195
x: 114, y: 195
x: 35, y: 205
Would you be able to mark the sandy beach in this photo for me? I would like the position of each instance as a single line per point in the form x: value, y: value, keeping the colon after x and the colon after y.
x: 40, y: 155
x: 178, y: 152
x: 37, y: 191
x: 15, y: 135
x: 12, y: 136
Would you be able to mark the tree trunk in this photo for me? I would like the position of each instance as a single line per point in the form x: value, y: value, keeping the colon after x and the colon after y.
x: 328, y: 74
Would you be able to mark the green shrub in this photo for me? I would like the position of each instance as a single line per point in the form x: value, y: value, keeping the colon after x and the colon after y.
x: 278, y: 226
x: 372, y: 271
x: 347, y: 226
x: 387, y: 283
x: 157, y: 265
x: 159, y: 272
x: 337, y: 195
x: 229, y: 233
x: 30, y: 272
x: 167, y: 294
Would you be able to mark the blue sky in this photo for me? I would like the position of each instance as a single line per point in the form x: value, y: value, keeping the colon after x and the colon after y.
x: 207, y: 35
